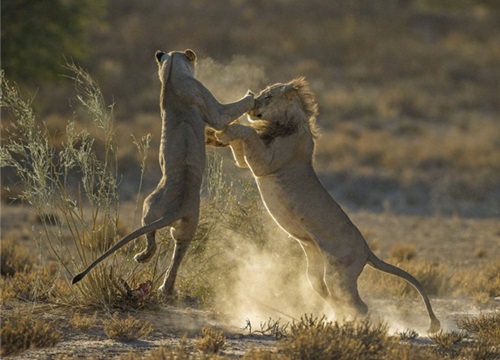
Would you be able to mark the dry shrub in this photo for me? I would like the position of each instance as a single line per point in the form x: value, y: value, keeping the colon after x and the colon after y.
x: 411, y: 352
x: 434, y: 278
x: 212, y: 340
x: 24, y: 333
x: 14, y: 257
x: 313, y: 338
x: 83, y: 322
x: 403, y: 252
x: 483, y: 285
x: 127, y: 329
x: 445, y: 340
x: 41, y: 284
x: 485, y: 327
x: 408, y: 335
x: 104, y: 235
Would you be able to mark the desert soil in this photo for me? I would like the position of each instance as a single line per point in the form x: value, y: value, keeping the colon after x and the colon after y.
x: 440, y: 239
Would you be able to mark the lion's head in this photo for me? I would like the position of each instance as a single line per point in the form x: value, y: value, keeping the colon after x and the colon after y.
x: 284, y: 109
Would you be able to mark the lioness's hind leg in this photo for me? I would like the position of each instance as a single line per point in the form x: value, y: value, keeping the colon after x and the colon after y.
x: 182, y: 234
x: 147, y: 254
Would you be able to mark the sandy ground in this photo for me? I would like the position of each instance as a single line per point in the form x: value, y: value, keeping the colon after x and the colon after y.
x: 439, y: 239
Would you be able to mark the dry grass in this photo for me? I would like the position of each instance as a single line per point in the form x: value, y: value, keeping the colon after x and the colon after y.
x: 313, y: 338
x: 482, y: 284
x: 24, y: 332
x: 126, y: 329
x: 485, y: 328
x: 83, y: 322
x: 15, y: 257
x: 403, y: 252
x: 436, y: 280
x: 212, y: 340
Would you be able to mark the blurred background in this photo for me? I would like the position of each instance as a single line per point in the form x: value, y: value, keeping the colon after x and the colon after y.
x: 408, y: 89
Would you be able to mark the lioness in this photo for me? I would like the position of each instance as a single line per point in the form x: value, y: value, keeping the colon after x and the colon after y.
x: 186, y: 106
x: 278, y: 147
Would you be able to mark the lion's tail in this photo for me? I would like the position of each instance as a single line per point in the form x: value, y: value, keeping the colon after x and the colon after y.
x: 380, y: 265
x: 155, y: 225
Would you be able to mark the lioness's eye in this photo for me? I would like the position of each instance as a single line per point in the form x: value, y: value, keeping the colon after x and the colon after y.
x: 267, y: 96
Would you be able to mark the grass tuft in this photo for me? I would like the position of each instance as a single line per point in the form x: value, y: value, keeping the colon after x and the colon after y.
x: 24, y: 333
x: 313, y: 338
x: 485, y: 327
x: 212, y: 340
x: 83, y: 322
x: 126, y: 329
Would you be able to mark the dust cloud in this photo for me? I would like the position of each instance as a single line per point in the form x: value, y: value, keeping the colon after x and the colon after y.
x: 267, y: 282
x: 230, y: 81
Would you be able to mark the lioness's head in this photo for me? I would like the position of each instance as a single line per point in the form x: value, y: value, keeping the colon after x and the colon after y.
x: 283, y: 109
x: 184, y: 61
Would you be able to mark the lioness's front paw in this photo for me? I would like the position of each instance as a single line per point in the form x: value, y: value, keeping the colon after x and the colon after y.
x: 251, y: 96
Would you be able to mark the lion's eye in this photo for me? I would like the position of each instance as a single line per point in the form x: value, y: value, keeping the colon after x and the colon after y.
x: 267, y: 96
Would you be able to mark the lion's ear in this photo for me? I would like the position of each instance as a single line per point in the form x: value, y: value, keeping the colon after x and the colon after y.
x: 289, y: 89
x: 191, y: 56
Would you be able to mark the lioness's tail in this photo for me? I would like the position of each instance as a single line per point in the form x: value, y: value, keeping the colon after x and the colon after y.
x: 155, y: 225
x: 378, y: 264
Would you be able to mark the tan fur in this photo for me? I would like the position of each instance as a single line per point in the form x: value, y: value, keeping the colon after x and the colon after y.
x: 281, y: 162
x: 186, y: 106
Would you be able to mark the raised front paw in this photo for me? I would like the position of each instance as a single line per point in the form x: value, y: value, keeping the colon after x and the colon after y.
x: 230, y: 133
x: 223, y: 137
x: 211, y: 139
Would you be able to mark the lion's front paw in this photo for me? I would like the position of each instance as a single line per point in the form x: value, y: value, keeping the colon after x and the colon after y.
x: 212, y: 140
x: 223, y: 137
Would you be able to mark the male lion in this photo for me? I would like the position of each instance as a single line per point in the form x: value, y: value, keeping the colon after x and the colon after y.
x: 278, y: 148
x: 186, y: 105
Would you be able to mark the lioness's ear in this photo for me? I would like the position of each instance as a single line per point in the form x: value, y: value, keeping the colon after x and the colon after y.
x: 191, y: 56
x: 158, y: 55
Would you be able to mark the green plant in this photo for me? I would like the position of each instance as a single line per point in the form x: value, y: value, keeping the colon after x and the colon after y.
x: 126, y: 329
x: 25, y: 332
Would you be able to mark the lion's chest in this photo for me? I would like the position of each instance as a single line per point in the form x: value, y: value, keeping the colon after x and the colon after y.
x: 281, y: 206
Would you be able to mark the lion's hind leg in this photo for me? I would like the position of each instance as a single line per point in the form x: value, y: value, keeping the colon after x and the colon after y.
x: 316, y: 270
